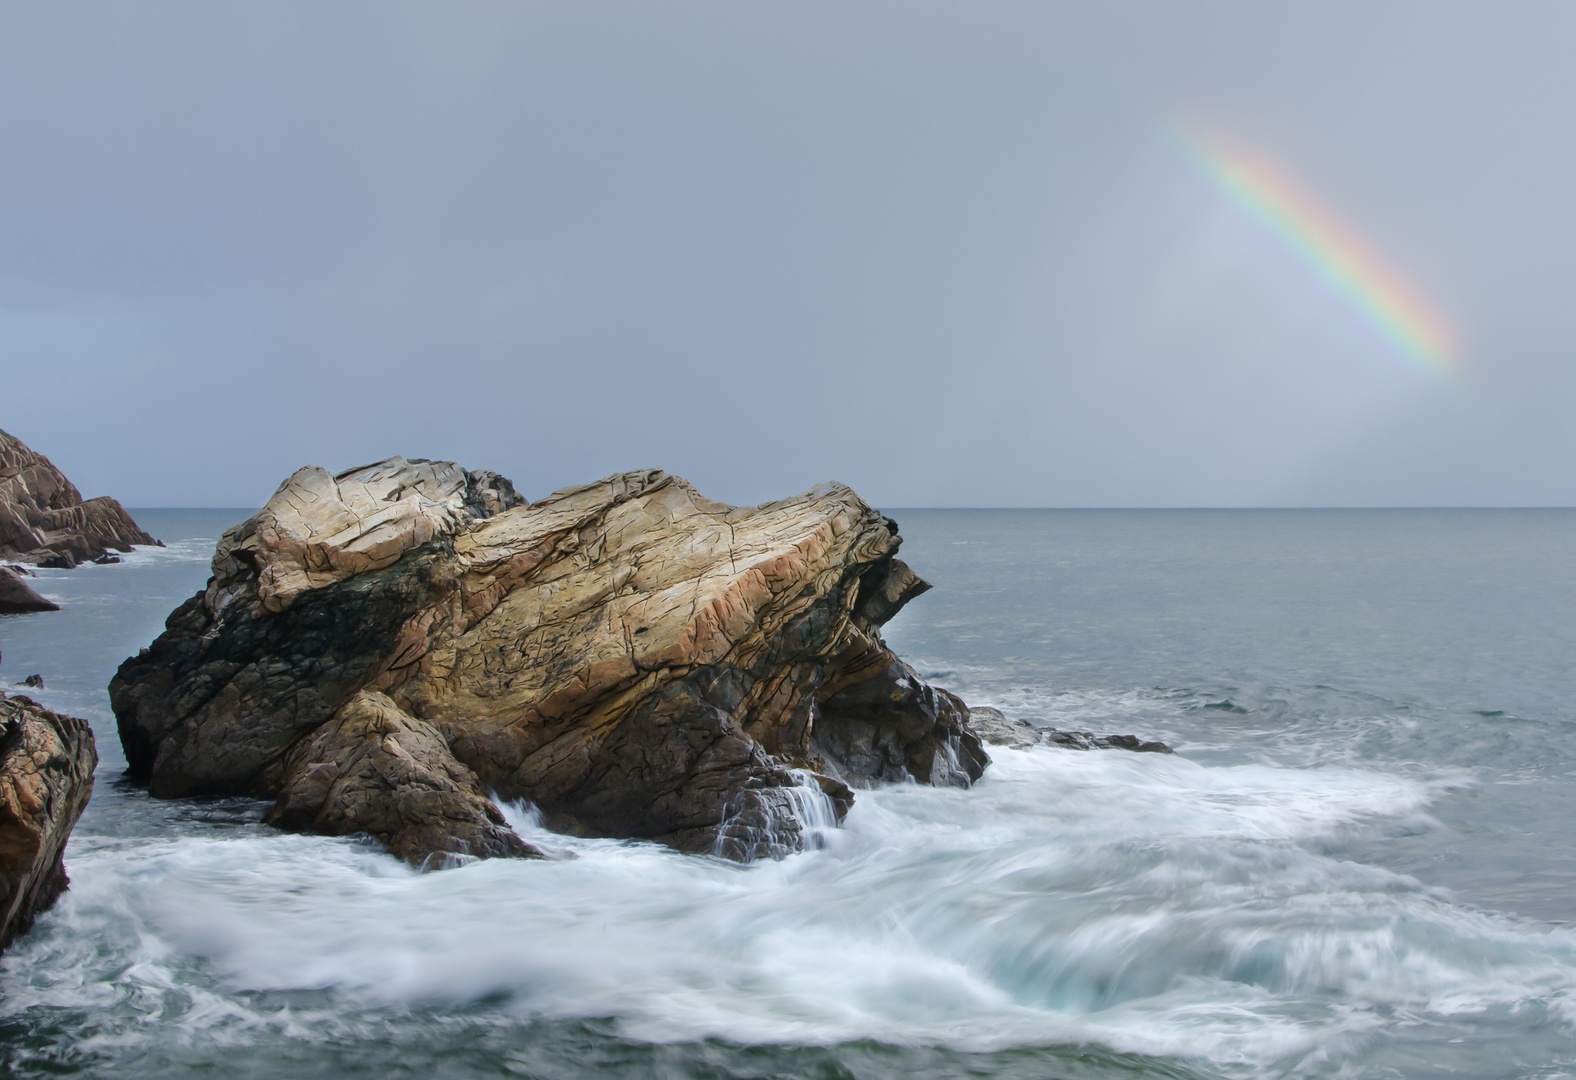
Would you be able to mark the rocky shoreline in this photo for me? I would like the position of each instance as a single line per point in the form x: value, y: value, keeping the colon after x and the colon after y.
x: 45, y: 521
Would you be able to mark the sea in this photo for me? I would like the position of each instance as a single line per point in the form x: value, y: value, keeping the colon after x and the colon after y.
x: 1359, y: 863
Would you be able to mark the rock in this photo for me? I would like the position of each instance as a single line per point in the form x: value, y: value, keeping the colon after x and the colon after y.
x: 991, y: 726
x: 46, y: 777
x: 44, y: 520
x: 18, y: 597
x: 380, y: 649
x: 106, y: 560
x: 35, y: 681
x: 375, y: 769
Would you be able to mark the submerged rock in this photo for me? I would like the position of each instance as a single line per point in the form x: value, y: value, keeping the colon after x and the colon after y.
x: 991, y: 726
x: 46, y: 777
x: 17, y: 596
x: 44, y: 520
x: 380, y: 649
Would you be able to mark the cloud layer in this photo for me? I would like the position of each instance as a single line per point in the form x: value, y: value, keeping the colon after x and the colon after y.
x: 946, y: 254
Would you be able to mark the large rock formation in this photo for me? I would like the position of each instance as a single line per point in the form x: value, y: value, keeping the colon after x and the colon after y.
x: 379, y: 650
x: 46, y: 777
x: 44, y: 520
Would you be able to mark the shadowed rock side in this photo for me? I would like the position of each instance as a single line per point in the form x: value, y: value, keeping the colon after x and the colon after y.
x: 44, y: 520
x: 379, y: 650
x: 17, y: 596
x: 46, y: 777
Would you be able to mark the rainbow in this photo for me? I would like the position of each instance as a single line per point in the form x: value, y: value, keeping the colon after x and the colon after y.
x: 1331, y: 250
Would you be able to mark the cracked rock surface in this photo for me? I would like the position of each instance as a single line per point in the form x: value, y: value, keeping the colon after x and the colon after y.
x: 44, y: 519
x: 380, y: 650
x: 46, y: 776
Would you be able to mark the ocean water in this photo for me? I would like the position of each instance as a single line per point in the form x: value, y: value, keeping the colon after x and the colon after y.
x: 1360, y: 863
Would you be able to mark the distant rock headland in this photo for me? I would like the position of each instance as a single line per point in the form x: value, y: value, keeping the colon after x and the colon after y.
x: 44, y: 519
x: 46, y: 777
x: 386, y: 650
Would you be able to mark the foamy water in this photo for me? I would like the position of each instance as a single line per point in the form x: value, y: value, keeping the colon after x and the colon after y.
x: 1267, y: 902
x: 1139, y: 901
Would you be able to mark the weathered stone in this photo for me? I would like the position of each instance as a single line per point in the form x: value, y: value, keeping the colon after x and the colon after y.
x: 46, y: 778
x: 44, y: 520
x: 374, y: 769
x: 991, y: 726
x: 627, y: 655
x: 17, y: 596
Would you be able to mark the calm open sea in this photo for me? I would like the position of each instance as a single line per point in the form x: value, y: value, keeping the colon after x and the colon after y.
x: 1359, y: 864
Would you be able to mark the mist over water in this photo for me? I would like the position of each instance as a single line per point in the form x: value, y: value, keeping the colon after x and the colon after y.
x: 1357, y: 865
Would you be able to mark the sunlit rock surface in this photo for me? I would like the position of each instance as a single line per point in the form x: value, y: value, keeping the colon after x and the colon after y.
x: 44, y: 520
x: 379, y: 650
x: 46, y: 778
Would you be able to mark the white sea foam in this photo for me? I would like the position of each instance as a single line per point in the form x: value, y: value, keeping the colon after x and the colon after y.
x: 190, y: 549
x: 1139, y: 901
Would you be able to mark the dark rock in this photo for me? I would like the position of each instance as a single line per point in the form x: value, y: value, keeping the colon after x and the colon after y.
x: 106, y: 560
x: 886, y: 726
x: 35, y: 681
x: 17, y: 596
x: 46, y: 778
x: 993, y: 727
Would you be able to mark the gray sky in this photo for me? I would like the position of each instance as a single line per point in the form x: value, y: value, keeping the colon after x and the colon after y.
x: 946, y: 253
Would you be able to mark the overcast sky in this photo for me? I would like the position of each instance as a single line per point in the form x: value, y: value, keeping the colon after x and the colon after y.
x: 947, y: 253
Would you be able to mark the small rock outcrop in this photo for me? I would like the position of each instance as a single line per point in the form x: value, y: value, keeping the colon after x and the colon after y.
x: 44, y: 520
x: 381, y: 650
x: 46, y: 777
x: 992, y: 727
x: 17, y: 596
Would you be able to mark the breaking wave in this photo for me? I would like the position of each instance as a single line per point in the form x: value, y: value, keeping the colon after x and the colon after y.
x: 1146, y: 903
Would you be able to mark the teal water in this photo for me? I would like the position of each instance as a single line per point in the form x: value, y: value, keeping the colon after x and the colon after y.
x: 1359, y: 864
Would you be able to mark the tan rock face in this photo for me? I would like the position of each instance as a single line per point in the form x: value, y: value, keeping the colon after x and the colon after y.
x: 374, y: 768
x: 319, y: 529
x: 43, y: 518
x: 628, y: 655
x: 46, y: 778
